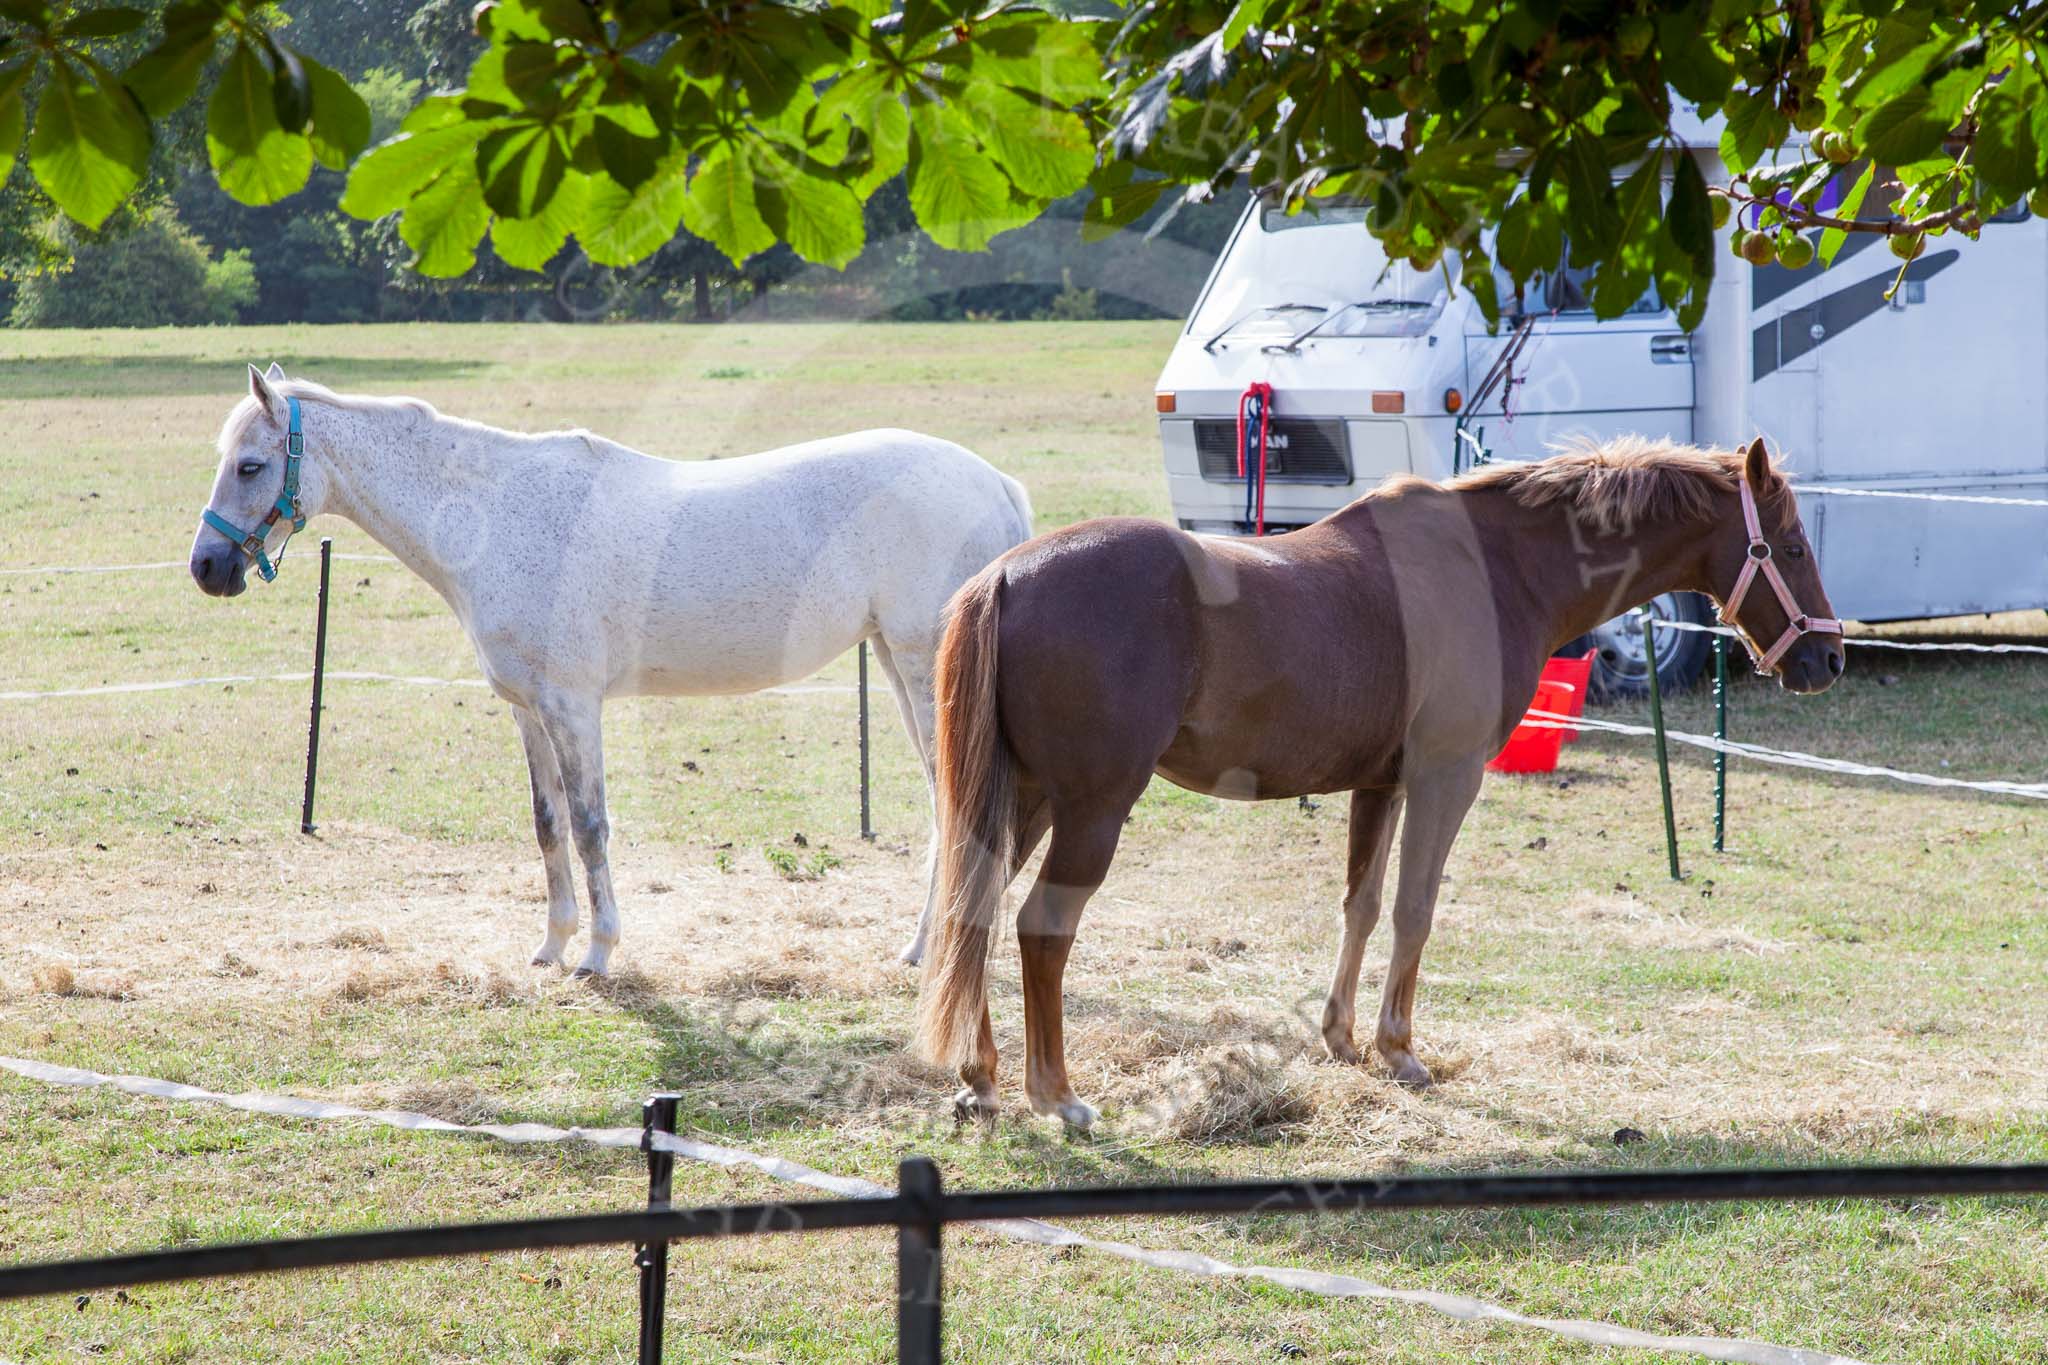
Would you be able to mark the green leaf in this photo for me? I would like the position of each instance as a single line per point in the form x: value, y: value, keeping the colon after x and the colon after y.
x: 1052, y: 58
x: 1693, y: 311
x: 517, y: 20
x: 519, y: 168
x: 290, y: 92
x: 530, y: 243
x: 960, y: 198
x: 90, y: 145
x: 445, y: 221
x: 2007, y: 158
x: 621, y: 226
x: 341, y: 121
x: 1754, y: 127
x: 255, y: 159
x: 102, y: 23
x: 1831, y: 239
x: 1045, y: 151
x: 1530, y: 238
x: 627, y: 157
x: 720, y: 207
x: 165, y: 77
x: 863, y: 100
x: 1590, y: 213
x: 395, y: 170
x: 12, y: 117
x: 1244, y: 16
x: 819, y: 218
x: 1689, y: 60
x: 1902, y: 130
x: 1118, y: 200
x: 570, y: 19
x: 1689, y: 216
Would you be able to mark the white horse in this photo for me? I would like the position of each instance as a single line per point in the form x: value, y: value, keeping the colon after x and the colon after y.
x: 584, y: 570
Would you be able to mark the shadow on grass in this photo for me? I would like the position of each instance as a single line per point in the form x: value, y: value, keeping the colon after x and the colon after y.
x: 136, y: 376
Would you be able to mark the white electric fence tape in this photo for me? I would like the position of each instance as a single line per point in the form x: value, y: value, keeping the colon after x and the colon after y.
x: 1982, y: 499
x: 338, y: 675
x: 1865, y: 642
x: 1790, y: 758
x: 38, y: 569
x: 1031, y: 1230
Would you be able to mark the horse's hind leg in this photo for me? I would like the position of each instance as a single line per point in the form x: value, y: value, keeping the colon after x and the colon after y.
x: 909, y: 670
x: 576, y: 734
x: 550, y: 827
x: 1374, y: 813
x: 1084, y: 841
x: 1437, y: 803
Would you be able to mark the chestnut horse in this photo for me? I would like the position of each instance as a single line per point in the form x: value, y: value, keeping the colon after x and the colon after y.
x: 1387, y: 651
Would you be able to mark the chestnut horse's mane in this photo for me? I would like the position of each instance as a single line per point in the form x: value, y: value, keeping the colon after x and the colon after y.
x: 1626, y: 481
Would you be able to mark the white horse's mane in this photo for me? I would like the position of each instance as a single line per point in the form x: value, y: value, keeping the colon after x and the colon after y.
x: 247, y: 412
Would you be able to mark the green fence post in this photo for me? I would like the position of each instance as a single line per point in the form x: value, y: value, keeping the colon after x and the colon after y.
x: 1663, y: 758
x: 1720, y: 737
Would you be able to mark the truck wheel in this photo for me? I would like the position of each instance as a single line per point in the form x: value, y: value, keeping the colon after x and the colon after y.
x: 1620, y: 667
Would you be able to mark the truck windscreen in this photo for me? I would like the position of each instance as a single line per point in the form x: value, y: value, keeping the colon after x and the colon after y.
x: 1317, y: 269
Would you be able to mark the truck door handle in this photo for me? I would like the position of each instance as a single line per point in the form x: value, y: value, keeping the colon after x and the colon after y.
x: 1671, y: 348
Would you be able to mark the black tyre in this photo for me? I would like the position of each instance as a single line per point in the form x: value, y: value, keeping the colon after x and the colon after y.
x: 1620, y: 665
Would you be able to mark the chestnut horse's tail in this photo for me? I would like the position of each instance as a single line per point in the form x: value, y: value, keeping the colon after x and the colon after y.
x: 976, y: 801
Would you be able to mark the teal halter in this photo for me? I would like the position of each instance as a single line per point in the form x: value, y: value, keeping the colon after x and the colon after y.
x: 287, y: 505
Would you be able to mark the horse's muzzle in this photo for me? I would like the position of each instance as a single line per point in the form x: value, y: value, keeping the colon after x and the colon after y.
x: 1813, y: 664
x: 221, y: 572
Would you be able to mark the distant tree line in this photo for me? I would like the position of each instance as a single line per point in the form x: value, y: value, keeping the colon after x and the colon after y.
x: 184, y: 253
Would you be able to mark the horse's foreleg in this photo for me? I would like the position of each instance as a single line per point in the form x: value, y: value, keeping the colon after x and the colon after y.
x: 909, y: 670
x: 576, y: 734
x: 1083, y: 843
x: 1437, y: 802
x: 551, y: 828
x: 1374, y: 813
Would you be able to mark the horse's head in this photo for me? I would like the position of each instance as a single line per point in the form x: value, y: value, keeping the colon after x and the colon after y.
x: 1763, y: 571
x: 261, y: 491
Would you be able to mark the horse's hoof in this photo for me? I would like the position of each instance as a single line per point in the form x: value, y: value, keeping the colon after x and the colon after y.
x: 912, y: 955
x: 1076, y: 1115
x: 588, y: 974
x: 1411, y: 1073
x: 1068, y: 1110
x: 1342, y: 1050
x: 973, y: 1106
x: 541, y: 960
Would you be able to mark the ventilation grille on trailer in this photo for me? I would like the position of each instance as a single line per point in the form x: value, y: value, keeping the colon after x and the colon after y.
x: 1298, y: 450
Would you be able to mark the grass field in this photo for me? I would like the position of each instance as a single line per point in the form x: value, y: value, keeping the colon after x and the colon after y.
x: 1860, y: 977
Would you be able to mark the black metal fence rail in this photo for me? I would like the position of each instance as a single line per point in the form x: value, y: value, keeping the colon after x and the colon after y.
x: 920, y: 1210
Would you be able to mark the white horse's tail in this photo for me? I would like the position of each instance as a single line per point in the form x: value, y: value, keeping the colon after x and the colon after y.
x: 1021, y: 501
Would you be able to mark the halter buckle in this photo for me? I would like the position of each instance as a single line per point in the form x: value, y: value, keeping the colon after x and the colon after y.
x: 1759, y: 550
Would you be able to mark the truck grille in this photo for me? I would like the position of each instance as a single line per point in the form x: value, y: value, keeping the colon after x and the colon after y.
x: 1298, y: 450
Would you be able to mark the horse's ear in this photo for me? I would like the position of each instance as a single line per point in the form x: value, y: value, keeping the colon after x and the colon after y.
x: 260, y: 390
x: 1756, y: 466
x: 275, y: 373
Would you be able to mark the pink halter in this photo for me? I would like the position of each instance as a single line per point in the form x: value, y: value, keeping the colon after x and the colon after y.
x: 1760, y: 558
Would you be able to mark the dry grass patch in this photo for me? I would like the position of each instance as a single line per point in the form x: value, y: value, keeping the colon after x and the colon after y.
x: 1232, y: 1093
x: 358, y: 936
x: 54, y: 978
x: 361, y: 984
x: 478, y: 985
x: 454, y: 1101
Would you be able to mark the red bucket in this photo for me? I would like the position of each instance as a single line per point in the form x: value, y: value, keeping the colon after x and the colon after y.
x: 1534, y: 748
x: 1579, y: 674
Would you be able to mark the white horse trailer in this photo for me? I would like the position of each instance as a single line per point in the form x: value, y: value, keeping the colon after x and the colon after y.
x: 1942, y: 388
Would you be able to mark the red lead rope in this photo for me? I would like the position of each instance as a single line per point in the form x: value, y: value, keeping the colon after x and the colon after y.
x: 1255, y: 497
